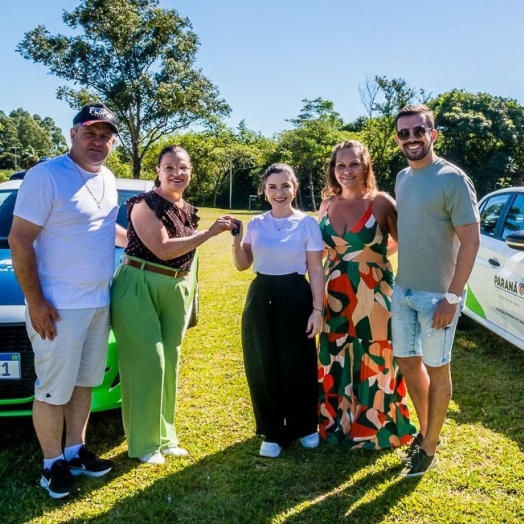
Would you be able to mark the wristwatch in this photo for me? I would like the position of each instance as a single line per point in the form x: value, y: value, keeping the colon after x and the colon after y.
x: 452, y: 298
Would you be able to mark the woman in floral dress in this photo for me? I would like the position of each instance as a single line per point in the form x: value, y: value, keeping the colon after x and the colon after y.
x: 362, y: 393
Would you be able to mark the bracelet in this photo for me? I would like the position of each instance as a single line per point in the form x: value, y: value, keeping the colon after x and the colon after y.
x: 316, y: 308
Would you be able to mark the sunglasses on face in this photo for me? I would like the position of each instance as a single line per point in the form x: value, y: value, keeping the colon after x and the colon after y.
x: 418, y: 132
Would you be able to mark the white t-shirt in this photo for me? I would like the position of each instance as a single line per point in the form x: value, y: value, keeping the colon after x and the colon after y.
x: 279, y: 245
x: 75, y: 249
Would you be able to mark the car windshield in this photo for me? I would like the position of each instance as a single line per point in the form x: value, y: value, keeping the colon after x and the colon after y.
x: 7, y: 205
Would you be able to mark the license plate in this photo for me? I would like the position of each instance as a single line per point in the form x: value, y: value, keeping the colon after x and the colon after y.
x: 10, y: 366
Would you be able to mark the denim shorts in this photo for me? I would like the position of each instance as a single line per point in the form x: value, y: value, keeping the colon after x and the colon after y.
x: 412, y: 330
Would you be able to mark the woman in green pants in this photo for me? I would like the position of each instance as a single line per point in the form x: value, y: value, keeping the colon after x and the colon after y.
x: 149, y: 305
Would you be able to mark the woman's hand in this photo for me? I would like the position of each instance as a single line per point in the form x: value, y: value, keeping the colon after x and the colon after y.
x: 221, y: 224
x: 314, y: 323
x: 242, y: 255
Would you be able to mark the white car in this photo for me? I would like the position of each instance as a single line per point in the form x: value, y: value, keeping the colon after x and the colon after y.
x: 495, y: 296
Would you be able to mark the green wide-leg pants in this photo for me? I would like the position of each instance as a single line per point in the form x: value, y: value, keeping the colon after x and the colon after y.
x: 148, y: 316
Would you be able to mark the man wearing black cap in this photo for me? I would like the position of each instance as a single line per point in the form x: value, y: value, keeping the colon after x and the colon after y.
x: 62, y: 243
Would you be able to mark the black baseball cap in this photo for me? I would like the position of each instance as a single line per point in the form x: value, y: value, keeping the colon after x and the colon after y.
x: 93, y: 113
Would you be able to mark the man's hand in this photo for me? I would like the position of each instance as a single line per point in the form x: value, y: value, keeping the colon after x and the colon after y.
x: 43, y: 316
x: 444, y: 314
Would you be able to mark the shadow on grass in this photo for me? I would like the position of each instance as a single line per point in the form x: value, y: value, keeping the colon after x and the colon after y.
x: 21, y: 498
x: 235, y: 485
x: 488, y: 383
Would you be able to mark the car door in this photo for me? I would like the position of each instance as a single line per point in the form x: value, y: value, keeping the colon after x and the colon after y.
x: 479, y: 299
x: 508, y: 272
x: 496, y: 286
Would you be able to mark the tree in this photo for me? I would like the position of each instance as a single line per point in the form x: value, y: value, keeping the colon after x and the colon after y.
x: 483, y: 134
x: 383, y: 99
x: 219, y: 157
x: 137, y: 58
x: 307, y: 147
x: 9, y: 143
x: 24, y: 139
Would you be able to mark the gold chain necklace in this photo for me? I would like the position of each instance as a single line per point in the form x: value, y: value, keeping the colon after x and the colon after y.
x: 97, y: 202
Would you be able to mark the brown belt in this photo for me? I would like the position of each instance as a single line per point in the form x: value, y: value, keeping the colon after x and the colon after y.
x: 166, y: 271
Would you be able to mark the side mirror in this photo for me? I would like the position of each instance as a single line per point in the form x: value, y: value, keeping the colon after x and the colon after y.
x: 516, y: 240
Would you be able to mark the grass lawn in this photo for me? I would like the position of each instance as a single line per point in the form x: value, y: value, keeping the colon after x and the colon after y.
x: 480, y: 478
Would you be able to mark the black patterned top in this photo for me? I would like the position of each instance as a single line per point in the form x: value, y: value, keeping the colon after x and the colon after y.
x: 178, y: 223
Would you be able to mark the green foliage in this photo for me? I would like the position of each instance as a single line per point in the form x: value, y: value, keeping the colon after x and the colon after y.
x: 483, y: 134
x: 5, y: 174
x: 219, y: 155
x: 24, y: 139
x: 378, y: 134
x: 119, y: 165
x: 383, y: 99
x: 479, y: 480
x: 143, y: 66
x: 136, y: 57
x: 307, y: 147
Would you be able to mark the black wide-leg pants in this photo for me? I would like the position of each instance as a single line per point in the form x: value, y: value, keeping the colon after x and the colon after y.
x: 280, y: 361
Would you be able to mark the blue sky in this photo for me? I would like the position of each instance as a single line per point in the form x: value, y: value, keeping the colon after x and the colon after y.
x: 266, y: 56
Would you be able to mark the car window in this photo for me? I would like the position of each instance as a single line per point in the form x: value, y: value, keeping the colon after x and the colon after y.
x: 7, y: 206
x: 123, y: 196
x: 515, y: 219
x: 490, y: 213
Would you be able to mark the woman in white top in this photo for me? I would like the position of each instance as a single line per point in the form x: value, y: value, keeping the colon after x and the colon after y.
x: 283, y: 314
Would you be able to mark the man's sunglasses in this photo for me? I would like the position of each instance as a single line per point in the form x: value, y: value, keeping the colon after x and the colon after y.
x: 418, y: 132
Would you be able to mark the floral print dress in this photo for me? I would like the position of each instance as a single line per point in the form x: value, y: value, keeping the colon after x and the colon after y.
x: 362, y: 393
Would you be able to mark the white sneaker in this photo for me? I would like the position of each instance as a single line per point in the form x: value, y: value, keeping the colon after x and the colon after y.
x: 175, y: 452
x: 310, y: 441
x: 152, y: 458
x: 270, y: 449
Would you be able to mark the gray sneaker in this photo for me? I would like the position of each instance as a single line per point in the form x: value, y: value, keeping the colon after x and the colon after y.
x: 418, y: 464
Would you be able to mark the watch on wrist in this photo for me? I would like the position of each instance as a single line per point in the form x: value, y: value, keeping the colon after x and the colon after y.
x: 452, y: 298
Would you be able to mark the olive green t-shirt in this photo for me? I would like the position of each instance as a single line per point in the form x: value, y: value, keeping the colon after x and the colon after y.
x: 431, y: 203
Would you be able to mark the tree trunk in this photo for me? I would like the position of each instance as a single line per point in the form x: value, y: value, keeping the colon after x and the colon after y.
x: 299, y: 200
x: 312, y: 190
x: 136, y: 165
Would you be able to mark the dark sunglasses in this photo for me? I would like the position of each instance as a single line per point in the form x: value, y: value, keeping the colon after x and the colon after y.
x: 418, y: 132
